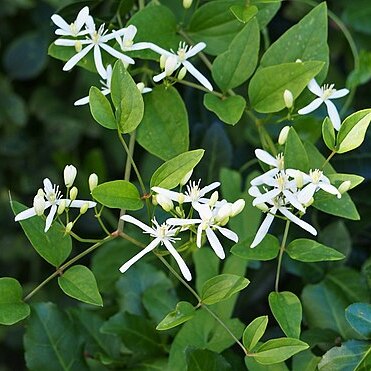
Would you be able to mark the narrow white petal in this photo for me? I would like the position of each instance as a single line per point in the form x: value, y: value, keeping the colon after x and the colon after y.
x: 159, y: 77
x: 208, y: 188
x: 203, y: 210
x: 266, y: 157
x: 301, y: 223
x: 254, y: 191
x: 82, y: 17
x: 197, y: 75
x: 90, y: 24
x: 293, y: 200
x: 264, y: 227
x: 228, y: 233
x: 130, y: 219
x: 266, y: 197
x: 99, y: 63
x: 214, y: 243
x: 195, y: 49
x: 165, y: 192
x: 339, y: 94
x: 77, y: 57
x: 60, y: 22
x: 310, y: 107
x: 199, y: 235
x: 333, y: 114
x: 182, y: 265
x: 146, y: 90
x: 25, y: 214
x: 116, y: 53
x: 135, y: 258
x: 159, y: 50
x: 48, y: 186
x: 306, y: 193
x: 329, y: 188
x: 315, y: 88
x: 130, y: 33
x: 50, y: 217
x: 179, y: 221
x: 82, y: 101
x: 78, y: 203
x: 112, y: 35
x: 141, y: 46
x: 65, y: 42
x: 61, y: 32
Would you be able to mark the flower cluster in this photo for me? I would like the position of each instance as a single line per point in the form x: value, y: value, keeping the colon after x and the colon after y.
x: 213, y: 216
x: 289, y: 191
x: 51, y: 197
x: 86, y: 36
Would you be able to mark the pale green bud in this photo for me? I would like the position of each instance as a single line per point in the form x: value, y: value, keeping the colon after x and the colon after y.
x: 299, y: 180
x: 181, y: 198
x: 154, y: 200
x: 170, y: 64
x: 298, y: 61
x: 78, y: 46
x: 39, y: 204
x: 40, y: 192
x: 186, y: 178
x: 165, y: 202
x: 224, y: 212
x: 69, y: 174
x: 214, y: 198
x: 344, y: 187
x: 162, y: 61
x: 223, y: 222
x: 237, y: 207
x: 182, y: 73
x: 263, y: 207
x: 84, y: 208
x: 61, y: 207
x: 309, y: 202
x: 73, y: 193
x: 93, y: 181
x: 283, y: 135
x: 187, y: 4
x: 140, y: 86
x: 69, y: 227
x: 288, y: 98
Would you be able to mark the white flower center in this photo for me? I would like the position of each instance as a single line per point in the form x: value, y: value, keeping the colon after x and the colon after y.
x: 96, y: 35
x: 182, y: 50
x: 281, y: 182
x: 316, y: 175
x: 327, y: 91
x: 73, y: 28
x: 280, y: 161
x: 193, y: 191
x: 127, y: 43
x: 53, y: 195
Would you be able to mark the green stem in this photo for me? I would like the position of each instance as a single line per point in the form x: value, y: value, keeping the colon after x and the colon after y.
x: 100, y: 221
x: 282, y: 249
x: 63, y: 267
x: 196, y: 86
x: 80, y: 239
x: 332, y: 154
x: 141, y: 4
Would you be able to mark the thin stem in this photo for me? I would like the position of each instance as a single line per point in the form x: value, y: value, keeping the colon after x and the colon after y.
x: 282, y: 249
x: 196, y: 86
x: 247, y: 164
x: 60, y: 270
x: 80, y: 239
x: 100, y: 221
x: 141, y: 4
x: 332, y: 154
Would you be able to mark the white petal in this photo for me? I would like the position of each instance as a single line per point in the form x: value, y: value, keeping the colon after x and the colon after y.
x: 50, y: 217
x: 146, y: 90
x: 78, y: 203
x: 310, y: 107
x: 329, y: 188
x: 195, y: 49
x: 208, y: 188
x: 169, y: 194
x: 25, y: 214
x: 48, y: 186
x: 197, y: 75
x: 333, y: 114
x: 159, y: 50
x: 306, y: 193
x: 301, y: 223
x: 293, y: 200
x: 315, y: 88
x: 182, y: 265
x: 254, y: 191
x: 130, y: 219
x: 114, y: 34
x: 99, y: 63
x: 179, y: 221
x: 339, y: 94
x: 214, y: 243
x: 228, y: 233
x: 65, y: 42
x: 203, y: 210
x: 199, y: 236
x: 266, y: 197
x: 82, y: 17
x: 82, y: 101
x: 90, y: 24
x: 266, y: 157
x: 60, y: 22
x: 135, y: 258
x: 130, y: 33
x: 117, y: 54
x: 77, y: 57
x: 159, y: 77
x: 141, y: 46
x: 264, y: 227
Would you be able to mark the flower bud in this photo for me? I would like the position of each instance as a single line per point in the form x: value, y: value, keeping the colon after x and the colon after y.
x: 223, y: 222
x: 140, y: 86
x: 69, y: 227
x: 186, y: 178
x: 283, y: 135
x: 344, y: 187
x: 187, y: 4
x: 181, y: 198
x: 40, y: 192
x: 298, y: 61
x: 162, y: 61
x: 263, y: 207
x: 182, y: 73
x: 93, y: 181
x: 165, y: 202
x: 84, y: 208
x: 69, y: 175
x: 309, y: 202
x: 73, y: 193
x: 288, y: 98
x: 78, y: 46
x: 224, y: 212
x: 154, y: 200
x: 61, y: 207
x: 214, y: 198
x: 299, y: 180
x: 237, y: 207
x: 39, y: 204
x: 170, y: 64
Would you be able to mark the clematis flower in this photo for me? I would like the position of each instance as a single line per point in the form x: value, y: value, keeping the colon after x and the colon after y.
x: 193, y: 193
x: 277, y: 163
x: 325, y: 94
x: 94, y: 40
x: 163, y: 234
x: 126, y: 42
x: 207, y: 223
x: 53, y: 198
x: 174, y: 60
x: 73, y: 29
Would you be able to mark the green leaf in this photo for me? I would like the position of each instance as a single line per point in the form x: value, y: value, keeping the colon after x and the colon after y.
x: 305, y: 361
x: 164, y: 130
x: 362, y: 74
x: 126, y: 98
x: 357, y: 15
x: 253, y: 365
x: 330, y: 204
x: 101, y: 109
x: 206, y: 266
x: 12, y: 308
x: 222, y: 287
x: 352, y: 355
x: 183, y: 312
x: 267, y: 249
x: 79, y: 283
x: 236, y: 65
x: 54, y: 245
x: 307, y: 40
x: 244, y: 13
x: 295, y: 155
x: 203, y: 359
x: 229, y: 109
x: 306, y: 250
x: 359, y: 317
x: 286, y: 308
x: 169, y: 174
x: 254, y: 331
x: 119, y: 194
x: 278, y: 350
x: 328, y: 133
x: 353, y: 130
x: 268, y: 84
x: 340, y: 178
x: 51, y: 339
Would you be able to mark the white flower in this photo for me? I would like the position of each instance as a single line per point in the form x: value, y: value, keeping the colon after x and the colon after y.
x: 277, y: 163
x: 53, y: 198
x: 94, y: 40
x: 325, y: 94
x: 163, y: 234
x: 207, y: 223
x: 105, y: 90
x: 193, y: 193
x: 174, y: 60
x: 69, y: 174
x: 73, y: 29
x: 126, y: 42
